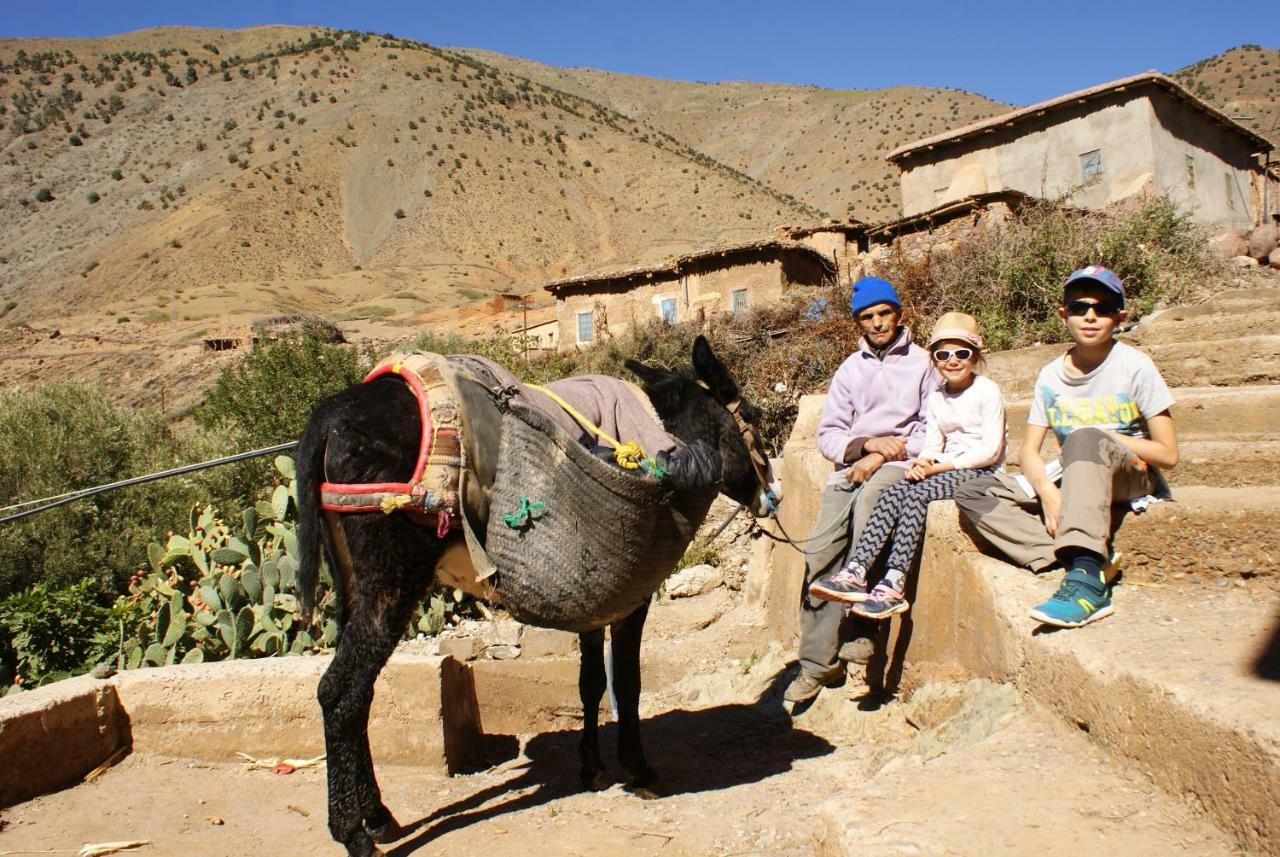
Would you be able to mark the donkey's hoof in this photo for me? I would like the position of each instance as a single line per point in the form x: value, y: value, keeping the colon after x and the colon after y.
x: 382, y: 826
x: 645, y: 785
x: 594, y: 780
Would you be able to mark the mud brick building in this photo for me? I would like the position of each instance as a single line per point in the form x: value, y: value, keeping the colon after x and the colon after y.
x: 726, y: 279
x: 1140, y: 134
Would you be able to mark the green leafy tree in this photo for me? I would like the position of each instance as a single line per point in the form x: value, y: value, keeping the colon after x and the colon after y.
x: 266, y: 398
x: 64, y: 437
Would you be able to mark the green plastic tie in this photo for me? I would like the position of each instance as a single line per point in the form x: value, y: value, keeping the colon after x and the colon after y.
x: 529, y: 511
x: 654, y: 468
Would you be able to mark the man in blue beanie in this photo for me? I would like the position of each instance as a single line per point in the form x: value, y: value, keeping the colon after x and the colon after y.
x: 871, y: 426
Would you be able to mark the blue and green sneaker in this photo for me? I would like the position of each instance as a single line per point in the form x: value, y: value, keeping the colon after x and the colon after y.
x: 1082, y: 598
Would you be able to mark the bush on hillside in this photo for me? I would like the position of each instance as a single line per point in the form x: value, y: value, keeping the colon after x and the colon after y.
x: 266, y: 398
x: 64, y: 437
x: 49, y: 633
x: 1011, y: 280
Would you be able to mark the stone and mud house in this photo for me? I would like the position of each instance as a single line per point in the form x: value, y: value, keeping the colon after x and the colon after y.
x: 722, y: 279
x: 1143, y: 134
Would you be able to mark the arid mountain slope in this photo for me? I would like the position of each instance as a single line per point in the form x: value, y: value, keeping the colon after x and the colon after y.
x: 1242, y: 82
x: 824, y: 146
x: 176, y: 162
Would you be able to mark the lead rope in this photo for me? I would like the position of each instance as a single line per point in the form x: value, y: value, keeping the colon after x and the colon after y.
x: 828, y: 533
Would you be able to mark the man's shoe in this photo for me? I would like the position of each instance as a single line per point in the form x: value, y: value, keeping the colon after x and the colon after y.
x: 848, y: 585
x: 883, y: 602
x: 806, y: 686
x: 857, y: 651
x: 1081, y: 599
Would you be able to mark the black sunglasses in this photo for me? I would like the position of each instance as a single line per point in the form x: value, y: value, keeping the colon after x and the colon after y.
x: 943, y: 355
x: 1079, y: 309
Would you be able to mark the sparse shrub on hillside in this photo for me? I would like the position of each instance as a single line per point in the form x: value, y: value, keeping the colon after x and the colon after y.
x: 399, y: 214
x: 44, y: 195
x: 93, y: 197
x: 116, y: 175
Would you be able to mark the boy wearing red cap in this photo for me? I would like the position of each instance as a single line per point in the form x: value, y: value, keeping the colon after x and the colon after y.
x: 1109, y: 409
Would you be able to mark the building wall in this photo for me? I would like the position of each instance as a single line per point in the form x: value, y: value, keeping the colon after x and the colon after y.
x: 836, y: 245
x: 700, y: 293
x: 1144, y: 137
x: 1219, y: 189
x: 1043, y: 159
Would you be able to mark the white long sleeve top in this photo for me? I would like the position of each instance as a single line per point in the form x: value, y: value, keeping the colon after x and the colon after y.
x: 966, y: 428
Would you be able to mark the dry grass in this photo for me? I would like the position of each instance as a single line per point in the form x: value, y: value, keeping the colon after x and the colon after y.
x: 1011, y: 280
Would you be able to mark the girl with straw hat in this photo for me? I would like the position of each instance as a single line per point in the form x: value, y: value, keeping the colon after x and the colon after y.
x: 964, y: 439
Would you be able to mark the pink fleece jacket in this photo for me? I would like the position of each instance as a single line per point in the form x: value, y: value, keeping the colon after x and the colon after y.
x: 877, y: 397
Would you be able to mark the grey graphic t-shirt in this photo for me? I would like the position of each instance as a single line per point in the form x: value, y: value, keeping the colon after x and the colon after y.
x: 1120, y: 395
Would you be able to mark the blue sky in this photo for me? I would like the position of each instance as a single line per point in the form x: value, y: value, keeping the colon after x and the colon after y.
x: 1019, y: 52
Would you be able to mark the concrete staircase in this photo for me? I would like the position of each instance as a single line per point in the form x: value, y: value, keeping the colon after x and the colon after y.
x: 1175, y: 685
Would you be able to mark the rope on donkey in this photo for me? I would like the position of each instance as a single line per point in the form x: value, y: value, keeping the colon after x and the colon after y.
x: 628, y: 455
x: 529, y: 511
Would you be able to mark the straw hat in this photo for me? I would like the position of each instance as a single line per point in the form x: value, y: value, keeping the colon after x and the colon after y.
x: 956, y: 325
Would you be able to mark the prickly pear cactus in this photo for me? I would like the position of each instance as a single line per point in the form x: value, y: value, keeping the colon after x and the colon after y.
x: 218, y: 592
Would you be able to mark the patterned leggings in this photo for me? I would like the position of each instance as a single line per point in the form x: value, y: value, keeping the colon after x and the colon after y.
x: 900, y: 512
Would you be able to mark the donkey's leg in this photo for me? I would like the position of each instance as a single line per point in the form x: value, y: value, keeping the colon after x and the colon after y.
x: 357, y: 816
x: 591, y: 687
x: 625, y: 639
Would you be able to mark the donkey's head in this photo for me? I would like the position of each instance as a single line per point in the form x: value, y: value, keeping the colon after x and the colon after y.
x: 709, y: 407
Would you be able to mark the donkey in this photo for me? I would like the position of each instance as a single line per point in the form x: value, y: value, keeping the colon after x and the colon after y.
x: 369, y: 433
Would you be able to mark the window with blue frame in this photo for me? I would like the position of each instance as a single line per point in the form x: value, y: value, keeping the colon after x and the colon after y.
x: 667, y: 308
x: 586, y: 327
x: 1091, y: 166
x: 738, y: 301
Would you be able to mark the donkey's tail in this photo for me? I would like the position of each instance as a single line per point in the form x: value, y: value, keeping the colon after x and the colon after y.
x: 308, y: 461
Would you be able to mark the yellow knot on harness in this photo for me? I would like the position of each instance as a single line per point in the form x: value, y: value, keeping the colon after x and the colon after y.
x: 629, y: 455
x: 393, y: 502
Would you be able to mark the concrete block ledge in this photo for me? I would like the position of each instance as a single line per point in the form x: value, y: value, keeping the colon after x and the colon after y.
x: 424, y: 713
x: 1167, y: 682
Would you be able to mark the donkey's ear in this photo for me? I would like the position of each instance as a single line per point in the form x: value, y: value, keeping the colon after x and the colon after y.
x: 665, y: 389
x: 709, y: 368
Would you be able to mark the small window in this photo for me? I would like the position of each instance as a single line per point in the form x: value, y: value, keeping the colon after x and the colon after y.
x: 667, y: 309
x: 586, y: 327
x: 738, y: 301
x: 1230, y: 186
x: 1191, y: 172
x: 1091, y: 166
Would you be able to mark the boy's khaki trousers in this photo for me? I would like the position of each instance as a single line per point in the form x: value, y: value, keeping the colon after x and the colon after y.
x: 1099, y: 477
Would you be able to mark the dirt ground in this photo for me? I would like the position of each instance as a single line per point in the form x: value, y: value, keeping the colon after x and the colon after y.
x: 962, y: 767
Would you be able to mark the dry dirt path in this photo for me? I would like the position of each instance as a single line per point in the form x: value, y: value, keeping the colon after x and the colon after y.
x: 960, y: 768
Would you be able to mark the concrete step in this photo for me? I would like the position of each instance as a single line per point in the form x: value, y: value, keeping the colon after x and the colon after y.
x: 1176, y: 683
x: 1200, y: 413
x: 1206, y: 322
x: 1241, y: 361
x: 1210, y: 535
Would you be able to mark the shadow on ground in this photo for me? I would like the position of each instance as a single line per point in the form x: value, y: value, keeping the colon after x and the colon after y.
x: 693, y: 751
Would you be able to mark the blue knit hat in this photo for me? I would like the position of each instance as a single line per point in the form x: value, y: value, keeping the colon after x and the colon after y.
x: 870, y: 291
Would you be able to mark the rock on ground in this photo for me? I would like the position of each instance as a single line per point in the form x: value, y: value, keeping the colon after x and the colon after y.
x: 694, y: 580
x: 1262, y: 240
x: 1230, y: 244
